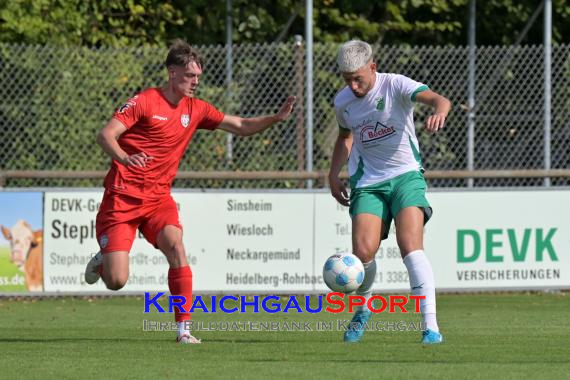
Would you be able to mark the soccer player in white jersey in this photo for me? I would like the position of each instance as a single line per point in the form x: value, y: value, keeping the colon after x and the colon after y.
x: 377, y: 136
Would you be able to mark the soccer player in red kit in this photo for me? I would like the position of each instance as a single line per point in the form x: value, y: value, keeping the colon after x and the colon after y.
x: 146, y: 138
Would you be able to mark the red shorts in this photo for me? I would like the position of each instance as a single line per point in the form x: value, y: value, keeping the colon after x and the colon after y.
x: 120, y: 215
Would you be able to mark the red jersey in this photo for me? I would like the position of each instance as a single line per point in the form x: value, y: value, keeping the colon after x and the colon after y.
x: 161, y: 130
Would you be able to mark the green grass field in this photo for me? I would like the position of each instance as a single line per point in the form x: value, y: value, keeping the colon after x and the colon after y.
x: 488, y: 336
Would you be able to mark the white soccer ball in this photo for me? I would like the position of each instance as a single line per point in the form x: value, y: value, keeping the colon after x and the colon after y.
x: 343, y: 272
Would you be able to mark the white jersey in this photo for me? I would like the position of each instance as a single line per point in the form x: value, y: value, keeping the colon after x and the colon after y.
x: 382, y: 123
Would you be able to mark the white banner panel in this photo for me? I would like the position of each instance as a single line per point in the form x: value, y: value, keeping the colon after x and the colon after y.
x: 234, y: 242
x: 69, y: 236
x: 500, y: 239
x: 278, y: 242
x: 249, y: 241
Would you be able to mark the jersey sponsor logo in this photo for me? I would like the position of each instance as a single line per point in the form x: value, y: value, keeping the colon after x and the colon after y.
x: 370, y: 134
x: 158, y: 117
x: 362, y: 123
x: 128, y: 104
x: 185, y: 120
x: 124, y: 107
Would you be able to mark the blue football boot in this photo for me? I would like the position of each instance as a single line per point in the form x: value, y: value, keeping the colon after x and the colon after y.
x: 431, y: 337
x: 356, y: 329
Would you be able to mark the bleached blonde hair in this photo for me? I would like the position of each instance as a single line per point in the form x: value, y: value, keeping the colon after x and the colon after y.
x: 353, y: 55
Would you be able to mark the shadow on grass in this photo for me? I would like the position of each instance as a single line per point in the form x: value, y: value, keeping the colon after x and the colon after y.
x: 71, y: 340
x: 249, y: 341
x: 149, y: 339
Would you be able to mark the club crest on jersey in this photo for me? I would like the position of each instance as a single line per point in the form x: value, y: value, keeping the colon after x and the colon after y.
x: 185, y: 120
x: 380, y: 104
x: 370, y: 134
x: 103, y: 240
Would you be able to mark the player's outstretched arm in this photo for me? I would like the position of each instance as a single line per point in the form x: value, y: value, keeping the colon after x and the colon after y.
x: 340, y: 155
x: 441, y: 105
x: 107, y: 139
x: 252, y: 125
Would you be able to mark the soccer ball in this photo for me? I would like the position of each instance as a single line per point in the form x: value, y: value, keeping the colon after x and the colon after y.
x: 343, y: 272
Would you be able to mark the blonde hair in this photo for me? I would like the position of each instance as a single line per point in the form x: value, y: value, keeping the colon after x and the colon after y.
x: 353, y: 55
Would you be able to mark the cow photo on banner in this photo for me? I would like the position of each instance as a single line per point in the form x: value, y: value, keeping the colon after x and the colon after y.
x: 21, y: 242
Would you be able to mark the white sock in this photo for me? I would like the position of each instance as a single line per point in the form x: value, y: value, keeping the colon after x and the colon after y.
x: 365, y: 289
x: 183, y: 328
x: 422, y: 283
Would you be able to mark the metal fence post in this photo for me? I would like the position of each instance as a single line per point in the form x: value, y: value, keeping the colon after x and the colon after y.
x: 309, y: 86
x: 547, y: 84
x: 471, y: 92
x: 299, y: 117
x: 229, y: 76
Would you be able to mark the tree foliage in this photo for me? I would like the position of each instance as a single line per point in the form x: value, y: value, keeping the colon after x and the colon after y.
x: 44, y: 125
x: 203, y: 22
x: 87, y: 23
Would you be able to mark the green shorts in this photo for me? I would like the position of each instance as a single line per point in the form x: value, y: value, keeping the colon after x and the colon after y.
x: 386, y: 199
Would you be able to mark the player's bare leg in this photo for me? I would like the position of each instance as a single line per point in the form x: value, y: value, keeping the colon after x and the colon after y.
x: 409, y: 234
x: 169, y: 241
x: 367, y: 230
x: 366, y: 233
x: 115, y: 269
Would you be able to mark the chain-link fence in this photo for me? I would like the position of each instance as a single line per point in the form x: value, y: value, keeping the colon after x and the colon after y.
x: 54, y: 100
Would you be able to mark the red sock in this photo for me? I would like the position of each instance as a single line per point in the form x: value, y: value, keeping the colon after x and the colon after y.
x: 180, y: 284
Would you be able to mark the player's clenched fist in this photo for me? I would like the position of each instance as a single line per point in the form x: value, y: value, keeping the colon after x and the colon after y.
x: 339, y: 192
